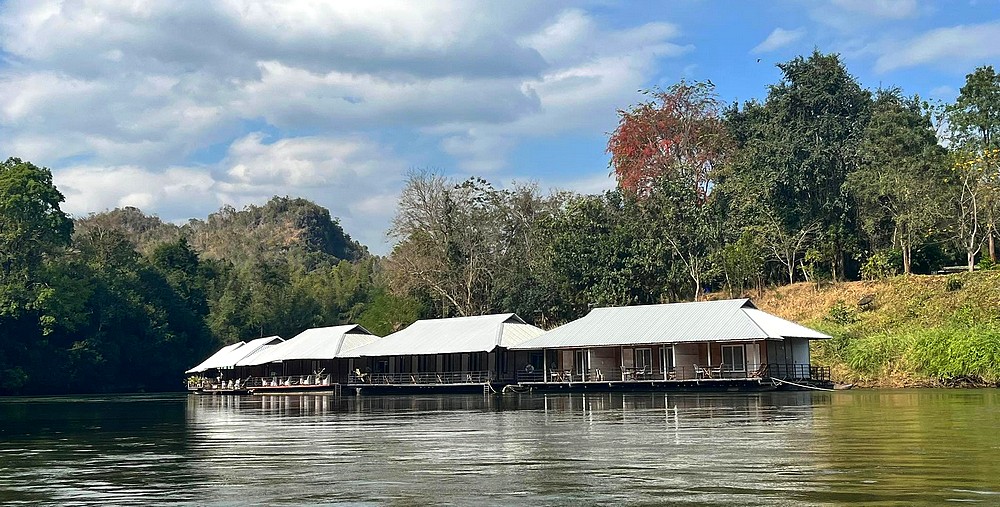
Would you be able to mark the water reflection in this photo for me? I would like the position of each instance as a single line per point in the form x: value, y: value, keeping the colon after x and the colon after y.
x: 644, y: 448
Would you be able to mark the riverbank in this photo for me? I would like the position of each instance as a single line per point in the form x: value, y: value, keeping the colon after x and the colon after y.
x: 905, y: 331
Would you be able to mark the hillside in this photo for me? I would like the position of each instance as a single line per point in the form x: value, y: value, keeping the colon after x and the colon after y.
x: 296, y: 230
x: 902, y: 331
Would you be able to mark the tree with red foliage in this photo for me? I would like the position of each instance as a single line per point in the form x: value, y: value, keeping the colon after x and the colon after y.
x: 678, y: 134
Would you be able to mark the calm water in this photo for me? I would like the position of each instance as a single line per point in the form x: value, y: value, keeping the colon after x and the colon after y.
x: 863, y: 447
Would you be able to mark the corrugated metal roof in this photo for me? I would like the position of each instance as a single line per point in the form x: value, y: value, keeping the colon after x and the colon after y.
x: 777, y: 326
x: 228, y: 356
x: 250, y: 348
x: 517, y: 332
x: 317, y: 343
x: 214, y: 360
x: 724, y: 320
x: 481, y: 333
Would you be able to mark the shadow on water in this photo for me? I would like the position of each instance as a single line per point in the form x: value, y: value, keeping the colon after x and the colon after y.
x: 869, y: 447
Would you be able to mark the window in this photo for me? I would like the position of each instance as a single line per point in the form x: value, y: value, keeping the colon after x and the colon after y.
x: 732, y: 357
x: 644, y: 360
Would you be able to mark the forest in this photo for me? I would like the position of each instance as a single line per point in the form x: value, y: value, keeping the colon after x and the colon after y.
x: 821, y: 181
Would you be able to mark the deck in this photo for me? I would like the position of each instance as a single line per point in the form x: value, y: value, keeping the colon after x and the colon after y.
x: 694, y: 378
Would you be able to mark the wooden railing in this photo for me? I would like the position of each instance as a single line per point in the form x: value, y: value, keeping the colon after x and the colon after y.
x: 290, y: 380
x: 682, y: 372
x: 424, y: 378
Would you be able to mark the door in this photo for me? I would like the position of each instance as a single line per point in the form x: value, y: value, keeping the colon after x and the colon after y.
x: 582, y: 363
x: 643, y: 363
x: 667, y: 362
x: 733, y: 359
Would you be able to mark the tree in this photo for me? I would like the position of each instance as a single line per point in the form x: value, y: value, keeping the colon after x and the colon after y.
x: 678, y: 134
x: 32, y: 227
x: 797, y: 149
x: 901, y: 176
x: 674, y: 214
x: 975, y: 124
x: 32, y: 230
x: 467, y: 244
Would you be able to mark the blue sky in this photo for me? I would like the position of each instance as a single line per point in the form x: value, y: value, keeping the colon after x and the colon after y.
x: 180, y: 107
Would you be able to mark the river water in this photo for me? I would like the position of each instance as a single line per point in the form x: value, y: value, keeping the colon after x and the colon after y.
x: 899, y: 447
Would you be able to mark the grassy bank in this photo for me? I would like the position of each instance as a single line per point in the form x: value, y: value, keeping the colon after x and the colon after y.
x: 903, y: 331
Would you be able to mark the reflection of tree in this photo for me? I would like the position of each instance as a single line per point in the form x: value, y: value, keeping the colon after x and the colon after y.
x: 898, y: 446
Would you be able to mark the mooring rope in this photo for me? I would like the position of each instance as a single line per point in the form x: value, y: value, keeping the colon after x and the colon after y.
x: 804, y: 386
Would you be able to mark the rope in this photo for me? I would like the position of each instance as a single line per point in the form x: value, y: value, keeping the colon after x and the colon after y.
x: 804, y: 386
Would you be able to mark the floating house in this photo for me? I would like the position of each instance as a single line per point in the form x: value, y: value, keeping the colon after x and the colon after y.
x: 312, y: 358
x: 218, y: 372
x: 444, y: 354
x: 728, y: 344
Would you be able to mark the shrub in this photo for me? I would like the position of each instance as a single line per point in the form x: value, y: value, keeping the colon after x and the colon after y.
x: 954, y: 283
x: 881, y: 264
x: 841, y: 314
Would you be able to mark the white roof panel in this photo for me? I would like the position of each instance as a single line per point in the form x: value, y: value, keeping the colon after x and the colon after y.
x: 252, y: 347
x: 724, y: 320
x: 215, y: 359
x: 777, y: 326
x: 317, y: 343
x: 481, y: 333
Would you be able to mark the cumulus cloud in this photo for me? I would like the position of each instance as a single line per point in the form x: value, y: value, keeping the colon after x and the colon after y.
x: 189, y: 190
x: 162, y: 104
x: 778, y: 38
x: 353, y: 176
x: 958, y: 45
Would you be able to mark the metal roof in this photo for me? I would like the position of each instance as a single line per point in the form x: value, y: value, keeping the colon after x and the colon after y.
x: 230, y: 355
x: 317, y: 343
x: 481, y: 333
x: 724, y: 320
x: 779, y: 327
x: 250, y: 348
x: 213, y: 360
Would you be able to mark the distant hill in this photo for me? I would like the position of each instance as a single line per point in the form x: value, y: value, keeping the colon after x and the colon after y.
x: 901, y: 331
x: 293, y: 229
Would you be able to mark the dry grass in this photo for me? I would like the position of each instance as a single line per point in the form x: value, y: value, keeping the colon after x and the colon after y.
x: 899, y: 301
x: 878, y: 340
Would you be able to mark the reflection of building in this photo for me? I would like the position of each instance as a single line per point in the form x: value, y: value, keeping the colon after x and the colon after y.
x: 726, y: 344
x: 451, y: 354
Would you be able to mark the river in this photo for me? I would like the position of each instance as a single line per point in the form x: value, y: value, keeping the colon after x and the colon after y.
x: 893, y: 447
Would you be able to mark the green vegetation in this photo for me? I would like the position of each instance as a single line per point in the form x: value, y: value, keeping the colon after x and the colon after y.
x: 928, y: 330
x: 821, y: 182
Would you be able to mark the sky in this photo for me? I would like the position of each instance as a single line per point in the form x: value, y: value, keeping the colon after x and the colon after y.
x: 181, y: 107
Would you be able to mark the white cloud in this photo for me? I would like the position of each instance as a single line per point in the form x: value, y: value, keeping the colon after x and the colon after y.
x: 777, y: 39
x: 351, y: 176
x: 958, y: 45
x: 177, y: 189
x: 888, y: 9
x: 159, y: 104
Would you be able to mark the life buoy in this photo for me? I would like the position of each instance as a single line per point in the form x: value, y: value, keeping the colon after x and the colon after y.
x: 529, y: 369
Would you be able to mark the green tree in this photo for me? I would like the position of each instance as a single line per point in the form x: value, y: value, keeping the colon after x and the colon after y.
x: 975, y: 129
x: 901, y: 181
x: 33, y: 230
x: 797, y: 149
